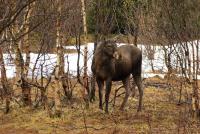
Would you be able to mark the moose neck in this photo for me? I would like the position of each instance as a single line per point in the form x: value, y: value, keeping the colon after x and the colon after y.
x: 106, y: 59
x: 106, y: 63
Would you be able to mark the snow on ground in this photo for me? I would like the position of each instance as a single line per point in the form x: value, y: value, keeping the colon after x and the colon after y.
x: 48, y: 61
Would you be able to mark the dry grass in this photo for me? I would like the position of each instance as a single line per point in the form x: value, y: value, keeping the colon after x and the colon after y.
x: 160, y: 115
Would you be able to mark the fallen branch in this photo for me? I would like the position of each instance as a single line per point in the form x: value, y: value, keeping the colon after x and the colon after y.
x: 71, y: 128
x: 157, y: 85
x: 117, y: 95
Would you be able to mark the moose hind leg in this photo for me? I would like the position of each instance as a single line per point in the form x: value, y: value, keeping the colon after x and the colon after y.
x: 108, y: 89
x: 138, y: 82
x: 100, y: 86
x: 126, y: 83
x: 133, y: 89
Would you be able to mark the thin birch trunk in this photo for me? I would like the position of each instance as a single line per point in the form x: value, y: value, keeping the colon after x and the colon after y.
x: 4, y: 82
x: 59, y: 70
x: 26, y: 42
x: 93, y: 79
x: 22, y: 66
x: 20, y: 82
x: 85, y: 75
x: 195, y: 82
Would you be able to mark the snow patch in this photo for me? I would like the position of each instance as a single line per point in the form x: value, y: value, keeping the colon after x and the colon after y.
x: 48, y: 62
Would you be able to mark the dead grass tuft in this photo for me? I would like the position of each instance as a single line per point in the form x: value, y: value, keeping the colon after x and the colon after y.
x: 159, y: 115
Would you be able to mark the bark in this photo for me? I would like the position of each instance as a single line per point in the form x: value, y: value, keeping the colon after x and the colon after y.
x: 195, y: 98
x: 53, y: 104
x: 26, y: 89
x: 187, y: 52
x: 4, y: 82
x: 136, y: 38
x: 85, y: 75
x: 93, y: 79
x: 21, y: 66
x: 195, y: 81
x: 167, y: 55
x: 26, y: 42
x: 60, y: 53
x: 67, y: 83
x: 20, y: 81
x: 59, y: 69
x: 150, y: 52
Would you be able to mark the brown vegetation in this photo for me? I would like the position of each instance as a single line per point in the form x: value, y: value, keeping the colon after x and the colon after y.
x: 171, y: 104
x: 160, y: 115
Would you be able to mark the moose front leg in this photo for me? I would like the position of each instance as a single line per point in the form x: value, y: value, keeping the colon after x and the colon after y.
x: 100, y: 86
x: 108, y: 89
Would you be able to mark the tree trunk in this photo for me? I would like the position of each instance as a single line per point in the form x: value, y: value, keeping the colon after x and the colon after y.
x: 93, y: 79
x: 26, y: 42
x: 22, y: 66
x: 59, y: 69
x: 167, y: 55
x: 85, y: 76
x: 195, y: 82
x: 4, y: 82
x: 136, y: 38
x: 20, y: 82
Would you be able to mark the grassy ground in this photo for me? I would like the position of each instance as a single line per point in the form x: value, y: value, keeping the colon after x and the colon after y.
x: 159, y: 115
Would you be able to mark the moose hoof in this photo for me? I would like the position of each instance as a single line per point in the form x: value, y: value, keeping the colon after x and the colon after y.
x: 121, y: 109
x: 139, y: 110
x: 106, y: 111
x: 100, y: 107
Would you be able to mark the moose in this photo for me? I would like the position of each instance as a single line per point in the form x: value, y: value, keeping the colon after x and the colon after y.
x: 113, y: 63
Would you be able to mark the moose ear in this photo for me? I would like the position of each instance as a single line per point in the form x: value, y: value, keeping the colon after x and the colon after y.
x: 116, y: 55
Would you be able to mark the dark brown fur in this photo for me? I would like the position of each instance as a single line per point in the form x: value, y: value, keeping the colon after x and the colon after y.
x: 112, y: 63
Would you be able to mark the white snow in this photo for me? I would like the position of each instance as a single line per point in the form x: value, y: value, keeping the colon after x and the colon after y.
x: 48, y: 61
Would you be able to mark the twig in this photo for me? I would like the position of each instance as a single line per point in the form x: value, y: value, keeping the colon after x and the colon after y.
x: 83, y: 127
x: 116, y: 94
x: 84, y: 119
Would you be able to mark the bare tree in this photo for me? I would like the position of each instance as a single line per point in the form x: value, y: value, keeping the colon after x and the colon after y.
x: 85, y: 75
x: 5, y: 85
